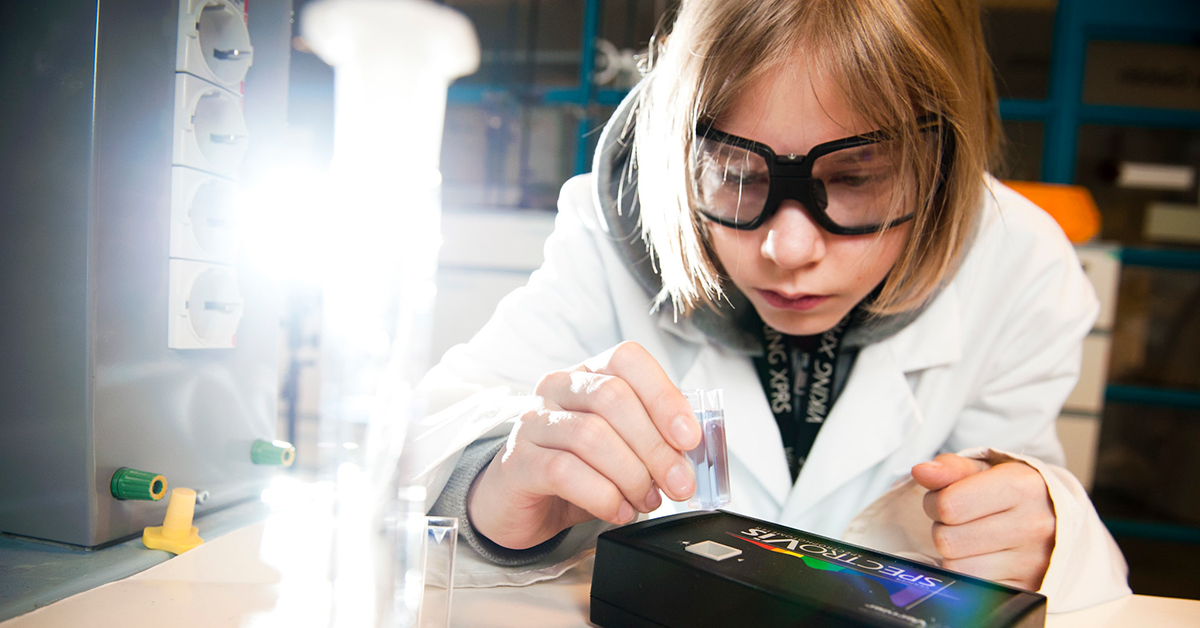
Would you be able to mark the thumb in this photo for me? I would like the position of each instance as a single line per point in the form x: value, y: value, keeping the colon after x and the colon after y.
x: 945, y: 470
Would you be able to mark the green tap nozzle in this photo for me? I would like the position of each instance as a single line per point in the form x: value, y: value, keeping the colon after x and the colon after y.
x: 277, y: 453
x: 129, y: 483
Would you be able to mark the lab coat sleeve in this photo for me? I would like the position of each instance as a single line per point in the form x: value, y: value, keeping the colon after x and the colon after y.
x: 1086, y: 567
x: 563, y: 316
x: 1045, y: 309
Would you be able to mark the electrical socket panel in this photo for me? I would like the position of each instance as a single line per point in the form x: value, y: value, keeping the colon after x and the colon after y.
x: 210, y: 128
x: 203, y: 219
x: 209, y: 142
x: 206, y: 306
x: 214, y: 42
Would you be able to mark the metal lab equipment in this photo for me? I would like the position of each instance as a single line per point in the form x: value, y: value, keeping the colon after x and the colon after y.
x: 130, y: 336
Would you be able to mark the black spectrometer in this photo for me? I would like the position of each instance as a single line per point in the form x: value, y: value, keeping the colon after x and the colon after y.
x: 719, y: 569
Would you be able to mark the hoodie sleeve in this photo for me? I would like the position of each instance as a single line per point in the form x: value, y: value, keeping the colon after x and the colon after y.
x: 453, y: 503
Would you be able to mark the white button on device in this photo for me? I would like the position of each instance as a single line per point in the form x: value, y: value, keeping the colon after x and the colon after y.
x: 713, y: 550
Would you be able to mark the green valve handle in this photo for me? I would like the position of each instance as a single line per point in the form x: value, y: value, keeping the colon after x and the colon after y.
x: 134, y: 484
x: 277, y: 453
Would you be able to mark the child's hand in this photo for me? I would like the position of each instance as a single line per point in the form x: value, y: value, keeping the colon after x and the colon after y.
x: 605, y: 438
x: 992, y: 522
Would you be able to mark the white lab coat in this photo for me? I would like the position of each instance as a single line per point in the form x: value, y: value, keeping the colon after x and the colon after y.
x: 986, y: 365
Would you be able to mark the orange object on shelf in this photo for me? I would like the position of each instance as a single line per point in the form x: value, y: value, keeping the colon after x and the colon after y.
x: 1071, y: 205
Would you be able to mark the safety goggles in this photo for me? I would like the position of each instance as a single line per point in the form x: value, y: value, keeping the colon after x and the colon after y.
x: 849, y: 186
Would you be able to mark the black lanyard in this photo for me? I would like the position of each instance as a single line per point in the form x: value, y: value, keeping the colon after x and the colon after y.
x: 797, y: 374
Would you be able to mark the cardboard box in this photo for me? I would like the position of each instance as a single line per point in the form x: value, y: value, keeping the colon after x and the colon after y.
x: 1173, y: 222
x: 719, y: 569
x: 1142, y: 74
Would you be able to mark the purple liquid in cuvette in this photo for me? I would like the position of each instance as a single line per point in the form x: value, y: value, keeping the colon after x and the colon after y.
x: 709, y: 460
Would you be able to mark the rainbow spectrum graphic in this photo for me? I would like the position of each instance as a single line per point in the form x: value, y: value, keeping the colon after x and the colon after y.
x: 905, y: 595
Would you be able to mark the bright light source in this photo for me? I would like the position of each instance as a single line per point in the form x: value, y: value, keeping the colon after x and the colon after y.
x: 393, y: 61
x: 284, y: 221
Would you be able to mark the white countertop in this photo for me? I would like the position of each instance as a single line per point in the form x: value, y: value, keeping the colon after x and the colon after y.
x: 277, y: 573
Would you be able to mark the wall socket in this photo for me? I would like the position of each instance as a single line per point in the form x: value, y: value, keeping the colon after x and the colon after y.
x: 210, y: 129
x: 203, y: 220
x: 206, y: 306
x: 213, y: 43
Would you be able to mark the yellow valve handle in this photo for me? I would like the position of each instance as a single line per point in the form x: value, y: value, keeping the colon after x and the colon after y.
x: 177, y: 534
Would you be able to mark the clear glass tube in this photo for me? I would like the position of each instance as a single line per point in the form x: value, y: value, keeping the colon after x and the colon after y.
x: 407, y: 527
x: 441, y: 541
x: 393, y: 62
x: 709, y: 459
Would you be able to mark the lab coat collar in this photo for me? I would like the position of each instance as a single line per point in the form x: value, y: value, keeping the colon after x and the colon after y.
x: 934, y: 339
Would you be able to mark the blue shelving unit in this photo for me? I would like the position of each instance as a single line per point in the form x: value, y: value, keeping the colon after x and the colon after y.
x: 1149, y: 396
x: 1077, y: 22
x: 1167, y: 259
x: 1157, y: 531
x: 584, y: 94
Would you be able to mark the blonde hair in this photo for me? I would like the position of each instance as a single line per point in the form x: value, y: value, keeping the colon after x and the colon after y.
x: 895, y: 61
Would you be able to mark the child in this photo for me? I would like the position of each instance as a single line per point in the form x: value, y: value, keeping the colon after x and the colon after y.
x: 793, y: 206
